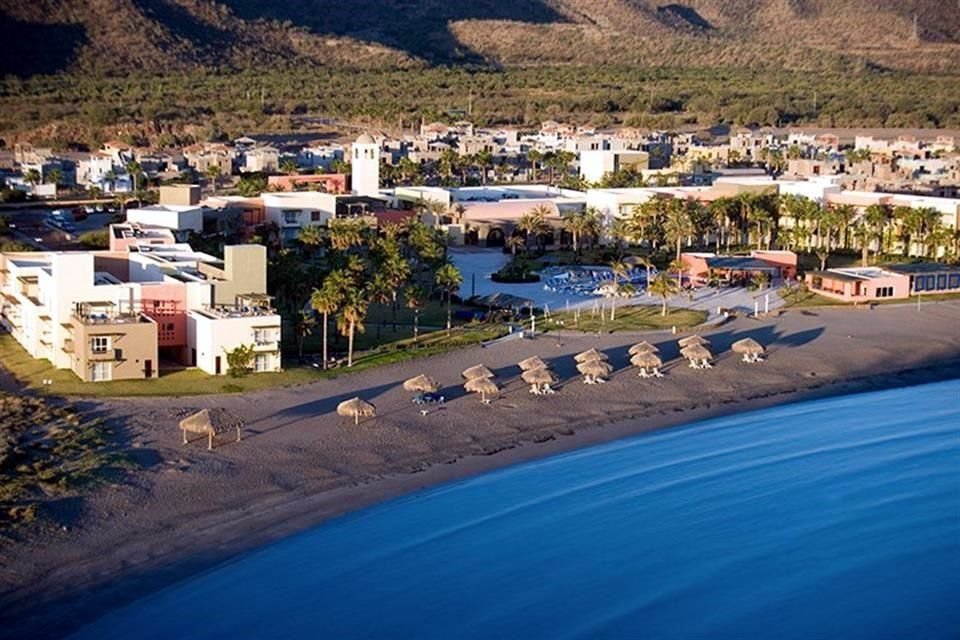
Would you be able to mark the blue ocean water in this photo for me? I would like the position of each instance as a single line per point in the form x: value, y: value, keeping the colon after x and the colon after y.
x: 836, y: 518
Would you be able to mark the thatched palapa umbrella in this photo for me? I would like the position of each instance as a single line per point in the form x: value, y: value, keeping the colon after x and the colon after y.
x: 483, y: 386
x: 647, y: 360
x: 594, y: 370
x: 692, y: 340
x: 698, y: 355
x: 642, y: 347
x: 422, y: 383
x: 356, y: 408
x: 590, y: 354
x: 539, y: 380
x: 750, y: 348
x: 478, y: 371
x: 211, y: 422
x: 533, y: 362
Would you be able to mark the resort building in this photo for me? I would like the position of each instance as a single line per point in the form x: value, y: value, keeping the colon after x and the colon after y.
x: 146, y: 304
x: 859, y: 284
x: 775, y: 265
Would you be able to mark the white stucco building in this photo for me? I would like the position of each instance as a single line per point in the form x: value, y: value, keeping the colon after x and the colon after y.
x: 365, y: 166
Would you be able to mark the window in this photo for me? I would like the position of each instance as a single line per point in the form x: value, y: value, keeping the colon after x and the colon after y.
x: 291, y: 216
x: 884, y: 292
x: 264, y: 336
x: 101, y: 371
x: 314, y: 216
x: 262, y: 362
x: 100, y: 344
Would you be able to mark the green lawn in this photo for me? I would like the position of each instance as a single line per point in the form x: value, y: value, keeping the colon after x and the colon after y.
x: 32, y: 372
x: 632, y: 318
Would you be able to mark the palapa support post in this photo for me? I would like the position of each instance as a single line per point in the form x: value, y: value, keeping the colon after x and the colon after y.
x: 210, y: 440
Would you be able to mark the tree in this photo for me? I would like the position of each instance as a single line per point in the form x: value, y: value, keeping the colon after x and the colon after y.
x: 311, y: 236
x: 213, y: 174
x: 252, y: 185
x: 448, y: 279
x: 353, y: 311
x: 620, y: 269
x: 577, y: 224
x: 289, y: 166
x: 327, y: 300
x: 663, y: 286
x: 534, y: 157
x: 240, y: 360
x: 415, y: 297
x: 678, y: 224
x: 55, y: 176
x: 134, y: 170
x: 484, y: 160
x: 32, y: 177
x: 535, y: 223
x: 878, y: 217
x: 304, y: 327
x: 345, y: 234
x: 514, y: 242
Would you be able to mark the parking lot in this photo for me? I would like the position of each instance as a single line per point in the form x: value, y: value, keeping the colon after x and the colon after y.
x: 29, y: 226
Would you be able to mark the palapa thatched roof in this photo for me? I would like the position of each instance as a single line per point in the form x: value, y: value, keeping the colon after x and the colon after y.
x: 642, y: 347
x: 540, y: 375
x: 692, y: 340
x: 214, y: 421
x: 533, y: 362
x: 595, y: 368
x: 696, y: 352
x: 421, y: 383
x: 747, y: 345
x: 481, y: 385
x: 478, y: 371
x: 355, y: 408
x: 646, y: 360
x: 589, y: 354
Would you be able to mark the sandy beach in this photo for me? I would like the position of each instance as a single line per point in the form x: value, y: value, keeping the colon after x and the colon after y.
x: 188, y: 509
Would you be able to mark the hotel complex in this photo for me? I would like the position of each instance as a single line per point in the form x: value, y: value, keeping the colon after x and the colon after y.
x: 146, y: 303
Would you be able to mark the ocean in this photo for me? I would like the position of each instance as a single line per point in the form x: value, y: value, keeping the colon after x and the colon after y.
x: 832, y: 518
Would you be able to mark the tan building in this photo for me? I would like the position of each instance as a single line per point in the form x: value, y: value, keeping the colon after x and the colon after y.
x: 106, y: 343
x: 180, y: 194
x: 241, y: 272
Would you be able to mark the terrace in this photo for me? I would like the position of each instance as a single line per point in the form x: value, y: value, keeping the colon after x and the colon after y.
x: 250, y: 305
x: 106, y: 313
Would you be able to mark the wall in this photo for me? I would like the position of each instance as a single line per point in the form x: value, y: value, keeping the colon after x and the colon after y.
x: 214, y: 337
x: 136, y: 340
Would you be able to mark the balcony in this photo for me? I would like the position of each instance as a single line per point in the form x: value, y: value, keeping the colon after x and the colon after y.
x: 67, y: 346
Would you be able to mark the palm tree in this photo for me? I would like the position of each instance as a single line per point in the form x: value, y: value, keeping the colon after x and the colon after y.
x: 576, y: 223
x: 678, y: 224
x: 620, y: 232
x: 353, y: 311
x: 32, y: 177
x: 864, y: 235
x: 288, y: 166
x: 677, y: 266
x: 327, y: 300
x: 877, y: 218
x: 134, y: 170
x: 647, y: 264
x: 415, y: 297
x: 304, y: 328
x: 55, y: 176
x: 535, y: 223
x: 664, y: 287
x: 110, y: 177
x: 534, y: 157
x: 448, y: 279
x: 213, y: 174
x: 620, y: 269
x: 345, y: 234
x: 514, y: 242
x: 483, y: 159
x: 311, y: 236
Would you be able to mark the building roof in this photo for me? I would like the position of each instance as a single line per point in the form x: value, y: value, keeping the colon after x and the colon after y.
x: 735, y: 263
x: 365, y: 138
x: 924, y: 268
x: 837, y: 276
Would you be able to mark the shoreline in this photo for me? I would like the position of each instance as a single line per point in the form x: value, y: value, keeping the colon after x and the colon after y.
x: 63, y: 598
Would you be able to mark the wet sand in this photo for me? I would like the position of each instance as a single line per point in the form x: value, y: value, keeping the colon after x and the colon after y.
x: 299, y: 464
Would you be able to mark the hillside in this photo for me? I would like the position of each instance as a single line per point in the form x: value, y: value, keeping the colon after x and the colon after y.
x: 119, y: 36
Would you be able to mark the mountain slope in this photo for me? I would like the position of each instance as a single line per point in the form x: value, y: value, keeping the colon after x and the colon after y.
x: 120, y: 36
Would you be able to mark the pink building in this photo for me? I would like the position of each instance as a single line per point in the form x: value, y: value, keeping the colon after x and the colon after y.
x: 863, y: 284
x: 330, y: 182
x: 778, y: 265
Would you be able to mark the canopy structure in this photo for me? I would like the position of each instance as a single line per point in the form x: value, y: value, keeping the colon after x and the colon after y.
x: 422, y: 383
x: 477, y: 371
x: 538, y: 376
x: 356, y: 408
x: 589, y: 354
x: 593, y: 369
x: 692, y: 340
x: 647, y: 360
x: 642, y: 347
x: 483, y: 386
x: 211, y: 422
x: 698, y: 355
x: 749, y: 348
x: 533, y: 362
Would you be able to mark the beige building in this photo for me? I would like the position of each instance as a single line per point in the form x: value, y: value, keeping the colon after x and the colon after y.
x: 106, y: 343
x: 187, y: 195
x: 240, y: 273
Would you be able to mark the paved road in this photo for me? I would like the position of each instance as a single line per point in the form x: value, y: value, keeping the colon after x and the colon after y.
x: 28, y: 227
